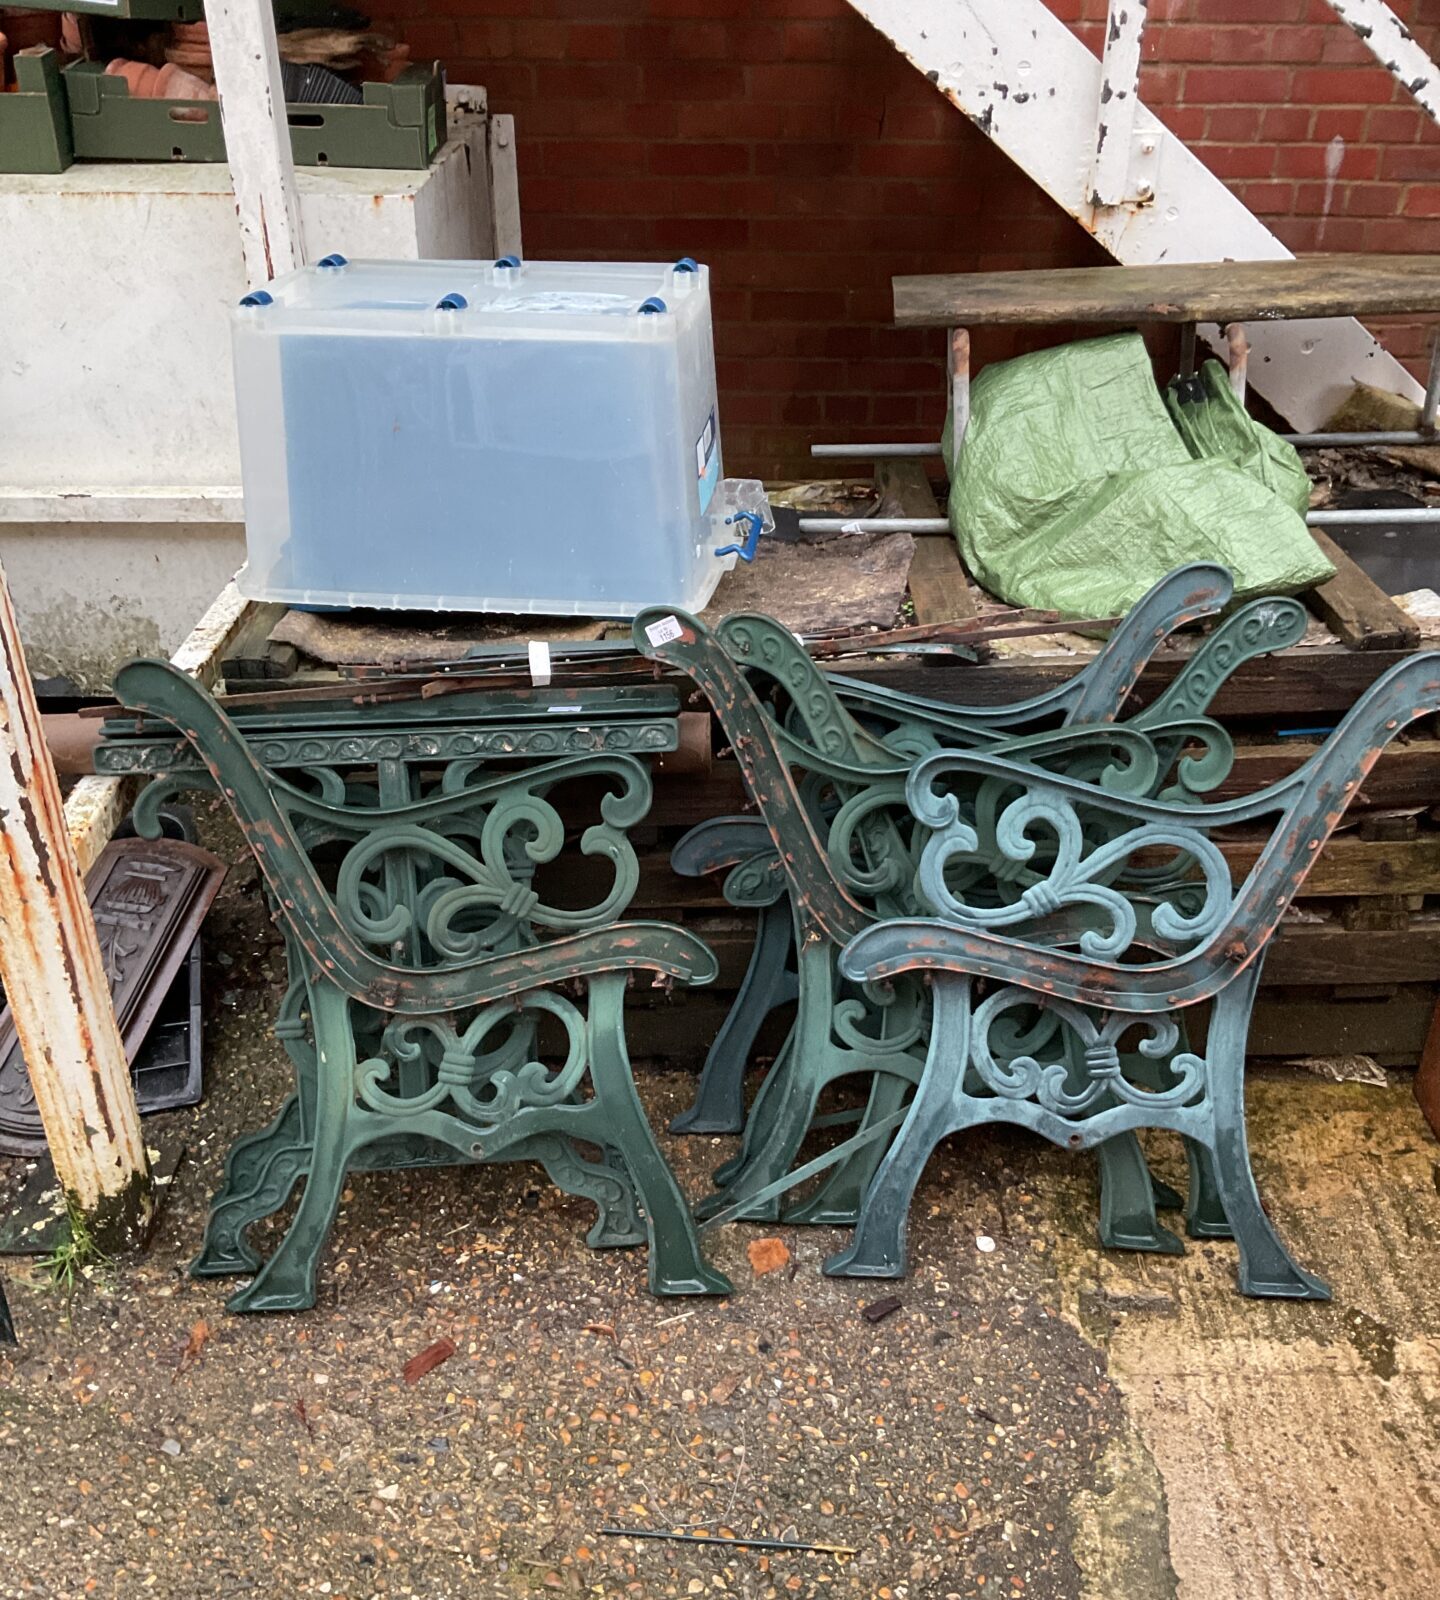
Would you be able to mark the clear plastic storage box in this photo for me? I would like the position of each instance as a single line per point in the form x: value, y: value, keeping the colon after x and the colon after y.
x: 482, y: 436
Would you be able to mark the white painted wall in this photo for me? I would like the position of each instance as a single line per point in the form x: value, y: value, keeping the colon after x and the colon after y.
x: 119, y: 466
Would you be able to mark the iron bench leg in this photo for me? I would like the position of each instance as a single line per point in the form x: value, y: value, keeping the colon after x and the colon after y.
x: 719, y: 1104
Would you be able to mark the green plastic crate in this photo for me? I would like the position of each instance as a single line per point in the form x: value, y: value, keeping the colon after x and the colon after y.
x: 399, y: 125
x: 140, y: 10
x: 34, y: 124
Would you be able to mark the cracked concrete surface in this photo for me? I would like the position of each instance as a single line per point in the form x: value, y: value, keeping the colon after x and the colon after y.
x: 1297, y: 1447
x: 1039, y: 1419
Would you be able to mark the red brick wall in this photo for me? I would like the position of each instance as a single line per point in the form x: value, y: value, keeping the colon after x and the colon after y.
x: 788, y: 146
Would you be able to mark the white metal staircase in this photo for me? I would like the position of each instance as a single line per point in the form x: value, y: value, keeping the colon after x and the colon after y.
x: 1077, y: 127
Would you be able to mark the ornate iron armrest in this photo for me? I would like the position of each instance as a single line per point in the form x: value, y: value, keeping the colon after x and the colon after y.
x: 281, y: 824
x: 1259, y: 628
x: 740, y: 847
x: 685, y: 643
x: 1227, y: 928
x: 1094, y: 694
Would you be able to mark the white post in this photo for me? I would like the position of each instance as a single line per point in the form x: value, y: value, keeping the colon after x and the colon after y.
x: 257, y: 136
x: 1115, y: 117
x: 504, y: 188
x: 54, y: 977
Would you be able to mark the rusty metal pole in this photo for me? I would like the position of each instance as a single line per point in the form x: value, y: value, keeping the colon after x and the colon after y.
x: 55, y: 980
x: 1238, y: 347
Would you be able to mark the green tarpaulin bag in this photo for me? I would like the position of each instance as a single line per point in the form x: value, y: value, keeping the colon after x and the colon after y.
x: 1212, y: 420
x: 1076, y: 491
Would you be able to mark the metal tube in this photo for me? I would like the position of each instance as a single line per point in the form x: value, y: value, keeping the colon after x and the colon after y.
x: 874, y: 452
x: 901, y: 452
x: 959, y: 364
x: 874, y: 525
x: 1372, y: 514
x: 1362, y: 440
x: 1315, y: 519
x: 1430, y: 408
x: 1239, y: 348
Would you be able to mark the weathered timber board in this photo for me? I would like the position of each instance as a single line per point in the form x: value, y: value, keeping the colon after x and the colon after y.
x: 1290, y: 1025
x: 1284, y: 1026
x: 1299, y: 683
x: 1406, y: 775
x: 939, y: 587
x: 1427, y: 1077
x: 1302, y: 955
x: 383, y: 638
x: 1348, y: 866
x: 853, y: 582
x: 1210, y: 291
x: 1356, y: 607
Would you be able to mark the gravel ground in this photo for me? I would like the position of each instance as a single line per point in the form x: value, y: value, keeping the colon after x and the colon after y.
x: 1018, y: 1427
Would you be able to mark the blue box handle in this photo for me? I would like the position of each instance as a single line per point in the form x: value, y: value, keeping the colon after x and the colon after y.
x: 746, y: 549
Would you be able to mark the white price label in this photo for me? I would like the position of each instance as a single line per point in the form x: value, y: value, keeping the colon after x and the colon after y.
x: 539, y: 663
x: 664, y: 631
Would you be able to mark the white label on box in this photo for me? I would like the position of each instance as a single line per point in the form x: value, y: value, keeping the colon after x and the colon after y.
x: 539, y: 663
x: 707, y: 461
x: 664, y: 631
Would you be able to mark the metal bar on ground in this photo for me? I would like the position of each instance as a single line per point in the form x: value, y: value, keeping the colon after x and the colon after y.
x: 1363, y: 441
x: 55, y: 981
x: 874, y: 452
x: 1309, y: 441
x: 1372, y: 514
x: 874, y: 524
x: 1316, y: 519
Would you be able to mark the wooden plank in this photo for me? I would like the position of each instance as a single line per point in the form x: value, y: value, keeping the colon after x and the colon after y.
x: 1284, y: 1026
x: 1347, y: 867
x: 1406, y: 775
x: 1356, y: 607
x: 1202, y: 291
x: 252, y: 655
x: 54, y: 977
x: 939, y: 586
x: 1300, y: 684
x: 1303, y: 955
x: 1427, y: 1076
x: 1308, y: 954
x: 504, y: 188
x: 1290, y: 1025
